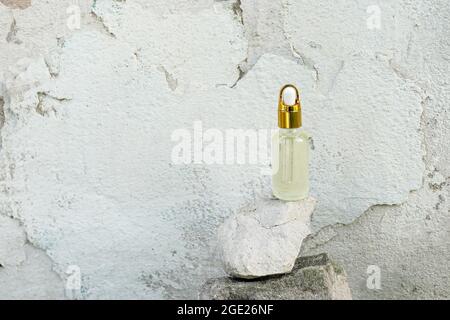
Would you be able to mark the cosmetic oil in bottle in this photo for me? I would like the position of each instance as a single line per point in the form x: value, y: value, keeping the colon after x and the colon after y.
x: 290, y: 149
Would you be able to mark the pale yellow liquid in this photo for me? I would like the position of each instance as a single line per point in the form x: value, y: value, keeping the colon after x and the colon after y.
x: 291, y: 181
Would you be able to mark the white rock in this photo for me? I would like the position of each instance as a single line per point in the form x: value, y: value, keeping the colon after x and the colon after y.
x: 265, y: 239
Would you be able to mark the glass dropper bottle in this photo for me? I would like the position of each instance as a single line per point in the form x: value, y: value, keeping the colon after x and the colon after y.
x: 290, y: 149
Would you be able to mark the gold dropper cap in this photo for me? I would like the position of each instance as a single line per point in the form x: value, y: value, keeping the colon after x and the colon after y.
x: 289, y: 116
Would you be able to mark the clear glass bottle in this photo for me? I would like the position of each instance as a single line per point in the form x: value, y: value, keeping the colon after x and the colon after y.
x: 290, y: 149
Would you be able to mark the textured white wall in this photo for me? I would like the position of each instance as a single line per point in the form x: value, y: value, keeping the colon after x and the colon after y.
x: 89, y: 112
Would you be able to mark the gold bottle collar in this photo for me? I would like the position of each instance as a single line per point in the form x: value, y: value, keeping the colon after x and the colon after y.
x: 289, y: 116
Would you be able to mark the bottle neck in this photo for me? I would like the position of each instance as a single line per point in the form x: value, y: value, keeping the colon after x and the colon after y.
x: 290, y: 130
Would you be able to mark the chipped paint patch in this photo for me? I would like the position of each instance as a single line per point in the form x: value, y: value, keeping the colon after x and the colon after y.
x: 16, y: 4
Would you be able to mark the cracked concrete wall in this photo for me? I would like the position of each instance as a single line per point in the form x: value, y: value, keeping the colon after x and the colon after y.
x: 88, y: 111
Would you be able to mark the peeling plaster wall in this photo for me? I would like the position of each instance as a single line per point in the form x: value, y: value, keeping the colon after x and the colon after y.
x: 88, y: 113
x: 25, y: 271
x: 409, y: 242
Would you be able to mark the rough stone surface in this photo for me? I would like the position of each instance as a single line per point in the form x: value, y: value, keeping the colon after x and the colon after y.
x: 313, y: 278
x: 265, y: 239
x: 85, y: 158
